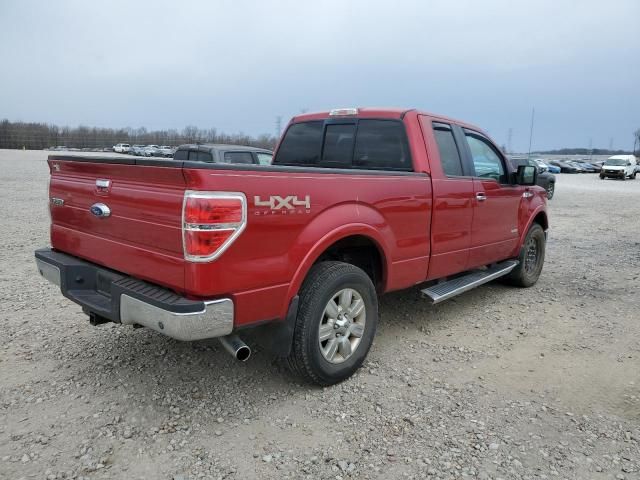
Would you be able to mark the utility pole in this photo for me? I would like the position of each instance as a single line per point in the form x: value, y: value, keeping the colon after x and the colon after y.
x: 533, y: 114
x: 278, y: 126
x: 509, y: 139
x: 590, y: 148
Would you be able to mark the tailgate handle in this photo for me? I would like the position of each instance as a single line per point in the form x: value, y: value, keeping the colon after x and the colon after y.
x: 103, y: 185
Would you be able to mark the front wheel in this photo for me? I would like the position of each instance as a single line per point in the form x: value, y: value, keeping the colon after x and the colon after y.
x: 531, y: 259
x: 335, y: 325
x: 551, y: 190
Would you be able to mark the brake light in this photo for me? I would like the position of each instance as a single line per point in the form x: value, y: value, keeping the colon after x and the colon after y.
x: 211, y: 221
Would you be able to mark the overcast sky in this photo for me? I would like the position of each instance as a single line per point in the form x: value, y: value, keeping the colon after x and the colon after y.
x: 236, y: 65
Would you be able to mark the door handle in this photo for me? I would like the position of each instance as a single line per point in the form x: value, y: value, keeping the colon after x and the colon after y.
x: 481, y: 197
x: 527, y: 194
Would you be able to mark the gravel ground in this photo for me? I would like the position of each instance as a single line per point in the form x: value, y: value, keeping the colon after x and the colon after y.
x: 498, y: 383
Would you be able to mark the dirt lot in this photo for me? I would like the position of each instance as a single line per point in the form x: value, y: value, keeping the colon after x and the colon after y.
x: 498, y: 383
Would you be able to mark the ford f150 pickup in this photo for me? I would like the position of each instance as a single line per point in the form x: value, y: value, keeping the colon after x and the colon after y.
x: 357, y: 202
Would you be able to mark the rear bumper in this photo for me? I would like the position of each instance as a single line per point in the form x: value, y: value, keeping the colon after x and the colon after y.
x: 122, y: 299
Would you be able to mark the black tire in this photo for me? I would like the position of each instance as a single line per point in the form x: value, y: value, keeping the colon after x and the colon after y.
x: 323, y: 282
x: 633, y: 176
x: 601, y: 177
x: 527, y: 274
x: 551, y: 189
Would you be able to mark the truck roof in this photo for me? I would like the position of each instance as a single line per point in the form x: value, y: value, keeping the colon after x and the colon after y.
x: 381, y: 112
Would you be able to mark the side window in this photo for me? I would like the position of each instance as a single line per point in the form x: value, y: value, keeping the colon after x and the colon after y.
x: 449, y: 154
x: 338, y: 144
x: 237, y: 157
x: 205, y: 157
x: 197, y: 156
x: 181, y: 155
x: 382, y: 144
x: 301, y: 145
x: 264, y: 158
x: 486, y: 160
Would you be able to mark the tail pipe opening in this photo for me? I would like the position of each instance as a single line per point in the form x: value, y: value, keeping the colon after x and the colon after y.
x: 236, y: 347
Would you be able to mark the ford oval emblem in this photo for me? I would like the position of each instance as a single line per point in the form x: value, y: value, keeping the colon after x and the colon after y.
x: 100, y: 210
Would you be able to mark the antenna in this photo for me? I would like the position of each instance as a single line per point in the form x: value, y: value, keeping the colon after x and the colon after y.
x: 533, y: 114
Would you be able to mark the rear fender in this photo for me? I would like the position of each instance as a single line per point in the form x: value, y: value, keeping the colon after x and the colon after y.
x: 330, y: 226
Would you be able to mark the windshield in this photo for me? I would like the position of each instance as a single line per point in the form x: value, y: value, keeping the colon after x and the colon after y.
x: 616, y: 162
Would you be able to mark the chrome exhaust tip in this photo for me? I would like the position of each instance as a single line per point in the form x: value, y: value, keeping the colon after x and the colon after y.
x: 236, y: 347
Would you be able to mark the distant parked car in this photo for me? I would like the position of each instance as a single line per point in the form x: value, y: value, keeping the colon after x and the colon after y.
x: 545, y: 179
x: 619, y: 166
x: 218, y: 153
x: 549, y: 168
x: 121, y: 148
x: 137, y: 150
x: 152, y: 151
x: 587, y: 166
x: 565, y: 167
x: 166, y: 151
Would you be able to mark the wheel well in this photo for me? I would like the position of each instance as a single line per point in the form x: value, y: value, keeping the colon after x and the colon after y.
x: 541, y: 219
x: 360, y: 251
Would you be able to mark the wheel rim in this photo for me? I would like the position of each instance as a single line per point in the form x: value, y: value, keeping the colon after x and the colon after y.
x: 550, y: 190
x: 342, y: 325
x: 531, y: 256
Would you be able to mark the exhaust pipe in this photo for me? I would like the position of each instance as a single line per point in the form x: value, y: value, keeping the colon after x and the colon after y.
x: 236, y: 347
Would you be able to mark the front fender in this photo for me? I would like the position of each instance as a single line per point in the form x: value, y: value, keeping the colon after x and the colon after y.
x: 529, y: 216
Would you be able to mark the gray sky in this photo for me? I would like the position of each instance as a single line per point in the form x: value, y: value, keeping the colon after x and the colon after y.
x: 236, y: 65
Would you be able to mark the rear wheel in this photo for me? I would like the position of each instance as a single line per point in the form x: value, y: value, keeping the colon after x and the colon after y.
x: 531, y: 259
x: 335, y: 325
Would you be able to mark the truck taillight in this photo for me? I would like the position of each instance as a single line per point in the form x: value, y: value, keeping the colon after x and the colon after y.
x: 211, y: 221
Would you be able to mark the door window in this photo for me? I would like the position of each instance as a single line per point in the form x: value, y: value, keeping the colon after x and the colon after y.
x: 237, y: 157
x: 486, y: 161
x: 449, y: 155
x: 179, y: 155
x: 264, y: 158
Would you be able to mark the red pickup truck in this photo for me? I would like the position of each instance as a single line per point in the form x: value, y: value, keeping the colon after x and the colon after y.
x: 357, y: 202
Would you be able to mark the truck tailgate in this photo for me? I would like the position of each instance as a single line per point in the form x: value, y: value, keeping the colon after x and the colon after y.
x: 141, y: 235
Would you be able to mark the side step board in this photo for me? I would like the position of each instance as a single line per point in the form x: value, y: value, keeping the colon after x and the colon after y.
x: 446, y: 290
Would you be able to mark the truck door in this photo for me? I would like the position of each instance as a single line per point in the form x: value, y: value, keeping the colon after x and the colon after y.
x: 494, y: 229
x: 453, y: 197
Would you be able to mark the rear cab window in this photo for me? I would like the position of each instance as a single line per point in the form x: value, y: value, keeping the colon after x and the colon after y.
x: 368, y: 144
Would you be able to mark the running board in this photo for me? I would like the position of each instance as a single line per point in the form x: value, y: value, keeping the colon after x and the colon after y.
x: 445, y: 290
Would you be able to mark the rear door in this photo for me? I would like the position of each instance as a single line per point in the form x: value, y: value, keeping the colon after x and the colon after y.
x: 453, y: 200
x: 494, y: 230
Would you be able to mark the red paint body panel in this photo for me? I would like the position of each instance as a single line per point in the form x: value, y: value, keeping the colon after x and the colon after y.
x: 424, y: 224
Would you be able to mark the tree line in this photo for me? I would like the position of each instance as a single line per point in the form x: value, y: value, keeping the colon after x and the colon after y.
x: 39, y: 136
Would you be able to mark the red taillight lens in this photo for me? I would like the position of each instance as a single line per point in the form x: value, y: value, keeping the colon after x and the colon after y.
x: 200, y: 210
x: 211, y: 222
x: 203, y: 243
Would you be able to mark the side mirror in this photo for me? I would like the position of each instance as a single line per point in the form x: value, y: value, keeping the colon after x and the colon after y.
x: 628, y: 164
x: 526, y: 175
